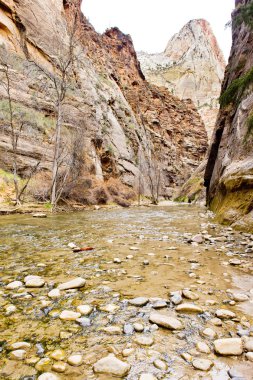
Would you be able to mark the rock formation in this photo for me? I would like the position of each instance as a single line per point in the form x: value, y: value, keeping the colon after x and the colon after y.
x: 122, y: 126
x: 192, y: 66
x: 229, y: 171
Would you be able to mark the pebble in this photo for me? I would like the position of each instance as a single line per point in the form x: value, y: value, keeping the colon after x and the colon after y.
x: 54, y: 293
x: 58, y: 355
x: 187, y: 357
x: 190, y: 295
x: 10, y: 309
x: 176, y: 298
x: 73, y: 284
x: 248, y: 343
x: 75, y: 360
x: 59, y: 367
x: 203, y: 347
x: 138, y: 327
x: 69, y: 315
x: 34, y: 282
x: 128, y: 329
x: 113, y: 330
x: 112, y: 366
x: 228, y: 346
x: 202, y: 364
x: 210, y: 333
x: 225, y: 314
x: 166, y: 321
x: 249, y: 356
x: 18, y: 354
x: 145, y: 262
x: 14, y: 285
x: 235, y: 262
x: 127, y: 352
x: 197, y: 239
x: 48, y: 376
x: 19, y: 345
x: 160, y: 364
x: 144, y: 340
x: 39, y: 215
x: 43, y: 364
x: 216, y: 321
x: 147, y: 376
x: 116, y: 260
x: 139, y: 301
x: 189, y: 308
x: 84, y: 309
x: 110, y: 308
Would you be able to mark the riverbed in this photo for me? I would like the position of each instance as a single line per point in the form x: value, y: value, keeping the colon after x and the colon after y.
x: 155, y: 254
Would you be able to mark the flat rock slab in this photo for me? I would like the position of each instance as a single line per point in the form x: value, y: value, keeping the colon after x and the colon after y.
x: 202, y: 364
x: 229, y: 346
x: 166, y: 321
x: 112, y: 366
x: 139, y: 301
x: 189, y: 308
x: 73, y: 284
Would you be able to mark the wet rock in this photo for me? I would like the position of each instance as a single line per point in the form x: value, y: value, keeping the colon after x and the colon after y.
x: 85, y: 322
x: 48, y: 376
x: 14, y: 285
x: 127, y: 352
x: 84, y: 309
x: 59, y: 367
x: 75, y: 360
x: 54, y: 293
x: 18, y: 355
x: 228, y: 346
x: 202, y: 364
x: 203, y: 347
x: 160, y: 364
x: 190, y: 295
x: 76, y: 283
x: 210, y: 333
x: 110, y: 308
x: 34, y: 282
x: 69, y: 315
x: 43, y: 364
x: 139, y: 301
x: 176, y: 298
x: 165, y: 321
x: 147, y: 376
x: 144, y: 340
x: 189, y: 308
x: 113, y: 330
x: 110, y: 365
x: 225, y: 314
x: 58, y: 355
x: 19, y: 345
x: 138, y: 327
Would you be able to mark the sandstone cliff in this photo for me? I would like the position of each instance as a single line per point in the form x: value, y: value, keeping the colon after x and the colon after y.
x: 192, y: 66
x: 229, y: 172
x: 121, y: 125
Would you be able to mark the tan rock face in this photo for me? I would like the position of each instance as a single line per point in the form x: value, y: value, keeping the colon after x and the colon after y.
x: 192, y: 66
x: 229, y: 170
x: 113, y: 113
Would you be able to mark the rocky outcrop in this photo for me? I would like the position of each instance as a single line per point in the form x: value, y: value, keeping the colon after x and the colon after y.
x: 122, y: 126
x: 229, y: 172
x: 192, y: 66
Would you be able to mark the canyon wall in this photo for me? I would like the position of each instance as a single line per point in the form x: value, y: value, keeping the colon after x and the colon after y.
x: 192, y: 66
x: 229, y: 171
x: 120, y: 124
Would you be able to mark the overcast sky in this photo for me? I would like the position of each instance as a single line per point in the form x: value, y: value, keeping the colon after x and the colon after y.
x: 151, y: 23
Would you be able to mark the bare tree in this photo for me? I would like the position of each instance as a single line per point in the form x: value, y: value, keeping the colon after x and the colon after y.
x: 16, y: 124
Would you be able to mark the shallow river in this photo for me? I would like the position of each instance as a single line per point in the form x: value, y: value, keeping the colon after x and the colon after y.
x: 144, y: 252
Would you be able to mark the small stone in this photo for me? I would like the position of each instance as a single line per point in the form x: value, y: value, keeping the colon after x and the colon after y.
x: 249, y: 356
x: 216, y: 321
x: 84, y: 309
x: 248, y: 343
x: 145, y: 262
x: 229, y: 346
x: 238, y: 297
x: 210, y: 333
x: 59, y: 367
x: 235, y: 262
x: 39, y: 215
x: 113, y: 330
x: 19, y: 345
x: 189, y: 308
x: 225, y: 314
x: 73, y: 284
x: 69, y: 315
x: 10, y: 309
x: 159, y: 304
x: 138, y: 327
x: 14, y: 285
x: 203, y: 347
x: 34, y: 282
x: 110, y: 308
x: 190, y: 295
x: 187, y: 357
x: 139, y: 301
x: 202, y: 364
x: 75, y: 360
x: 127, y: 352
x: 197, y: 239
x: 58, y: 355
x: 160, y: 364
x: 128, y: 329
x: 144, y: 340
x: 116, y: 260
x: 18, y: 355
x: 112, y: 366
x: 43, y: 364
x: 48, y: 376
x: 147, y: 376
x: 83, y: 321
x: 165, y: 321
x: 54, y: 293
x: 176, y: 299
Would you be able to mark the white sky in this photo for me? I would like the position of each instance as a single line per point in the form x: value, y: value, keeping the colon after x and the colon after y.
x: 151, y: 23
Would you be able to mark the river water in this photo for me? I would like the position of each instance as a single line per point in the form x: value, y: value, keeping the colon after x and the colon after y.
x: 138, y: 252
